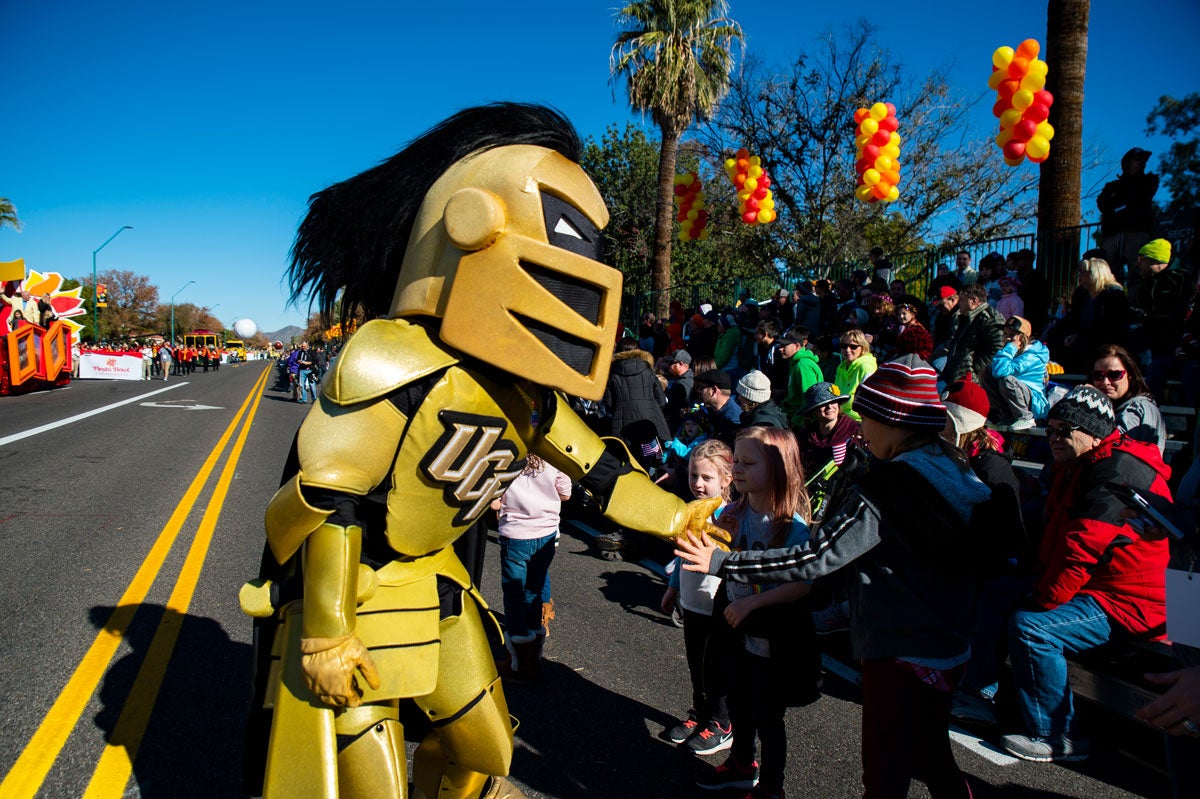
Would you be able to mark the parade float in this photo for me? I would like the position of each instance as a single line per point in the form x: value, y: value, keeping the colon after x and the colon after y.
x: 33, y: 357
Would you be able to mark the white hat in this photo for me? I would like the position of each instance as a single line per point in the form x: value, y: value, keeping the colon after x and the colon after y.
x: 754, y: 387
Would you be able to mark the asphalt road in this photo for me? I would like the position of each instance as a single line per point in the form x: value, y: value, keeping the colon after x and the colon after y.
x: 125, y: 660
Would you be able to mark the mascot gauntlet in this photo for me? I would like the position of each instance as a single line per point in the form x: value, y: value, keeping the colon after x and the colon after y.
x: 332, y: 654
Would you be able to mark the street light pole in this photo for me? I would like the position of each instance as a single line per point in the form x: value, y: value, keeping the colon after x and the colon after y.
x: 95, y: 310
x: 173, y: 296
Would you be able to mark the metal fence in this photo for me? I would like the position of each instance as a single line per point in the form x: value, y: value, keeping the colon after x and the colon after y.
x: 1058, y: 253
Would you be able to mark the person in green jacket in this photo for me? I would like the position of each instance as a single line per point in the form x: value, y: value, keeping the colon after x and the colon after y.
x: 804, y: 371
x: 857, y: 363
x: 729, y: 338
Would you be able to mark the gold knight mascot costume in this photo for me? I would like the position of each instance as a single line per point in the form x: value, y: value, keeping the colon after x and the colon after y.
x: 476, y: 251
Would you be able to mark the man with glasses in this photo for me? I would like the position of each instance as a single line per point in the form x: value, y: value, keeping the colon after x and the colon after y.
x: 978, y: 338
x: 1098, y: 577
x: 715, y: 390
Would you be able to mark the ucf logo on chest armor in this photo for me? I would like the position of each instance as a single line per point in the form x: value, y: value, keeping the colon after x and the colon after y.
x: 473, y: 462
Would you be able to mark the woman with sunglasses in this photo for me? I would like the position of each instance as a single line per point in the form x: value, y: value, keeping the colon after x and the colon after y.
x: 857, y: 363
x: 1116, y: 374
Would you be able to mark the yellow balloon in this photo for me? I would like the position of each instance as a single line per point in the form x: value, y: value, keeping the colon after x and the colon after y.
x: 895, y: 139
x: 698, y: 203
x: 1022, y: 99
x: 1038, y: 67
x: 862, y: 141
x: 743, y: 195
x: 883, y: 163
x: 679, y: 179
x: 693, y: 214
x: 704, y: 234
x: 1045, y: 130
x: 756, y: 171
x: 869, y: 126
x: 1004, y: 137
x: 730, y: 164
x: 879, y: 112
x: 751, y: 184
x: 893, y: 195
x: 755, y: 161
x: 870, y: 177
x: 1002, y: 57
x: 683, y: 235
x: 766, y: 215
x: 997, y: 77
x: 1009, y: 118
x: 864, y: 193
x: 1037, y: 147
x: 891, y: 151
x: 1033, y: 82
x: 767, y: 204
x: 686, y: 225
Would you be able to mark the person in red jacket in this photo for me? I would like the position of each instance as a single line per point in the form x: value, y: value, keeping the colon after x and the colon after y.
x: 1098, y: 577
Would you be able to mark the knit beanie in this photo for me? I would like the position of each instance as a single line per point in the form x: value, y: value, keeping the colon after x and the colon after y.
x: 754, y: 387
x: 902, y: 393
x: 968, y: 406
x: 1087, y: 408
x: 1159, y: 250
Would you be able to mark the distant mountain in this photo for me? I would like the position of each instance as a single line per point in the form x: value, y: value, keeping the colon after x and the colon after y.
x: 285, y: 335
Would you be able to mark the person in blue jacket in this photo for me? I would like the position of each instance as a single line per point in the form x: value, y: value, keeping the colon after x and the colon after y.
x: 1016, y: 380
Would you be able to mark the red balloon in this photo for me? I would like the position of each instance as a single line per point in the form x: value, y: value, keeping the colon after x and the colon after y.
x: 680, y: 190
x: 682, y: 215
x: 759, y: 194
x: 764, y: 182
x: 1043, y: 97
x: 890, y: 108
x: 1024, y: 130
x: 701, y: 217
x: 752, y: 203
x: 881, y: 137
x: 749, y: 217
x: 889, y: 124
x: 861, y: 165
x: 1014, y: 149
x: 860, y: 115
x: 1000, y: 107
x: 743, y: 153
x: 1037, y: 112
x: 1007, y: 88
x: 871, y: 152
x: 1018, y: 67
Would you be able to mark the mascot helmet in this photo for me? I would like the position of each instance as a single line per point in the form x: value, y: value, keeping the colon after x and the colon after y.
x: 500, y: 230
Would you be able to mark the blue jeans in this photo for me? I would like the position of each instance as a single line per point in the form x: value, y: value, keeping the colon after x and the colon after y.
x: 524, y: 581
x: 1038, y: 641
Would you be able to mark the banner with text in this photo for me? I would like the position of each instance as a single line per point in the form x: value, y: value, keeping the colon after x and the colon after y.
x: 110, y: 365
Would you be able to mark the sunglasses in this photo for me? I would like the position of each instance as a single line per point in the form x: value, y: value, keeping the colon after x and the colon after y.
x: 846, y: 345
x: 1112, y: 375
x: 1062, y: 431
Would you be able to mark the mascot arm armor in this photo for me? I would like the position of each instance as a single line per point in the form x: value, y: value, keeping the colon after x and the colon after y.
x: 605, y: 469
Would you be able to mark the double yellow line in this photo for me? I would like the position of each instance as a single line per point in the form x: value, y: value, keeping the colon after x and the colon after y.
x: 116, y: 763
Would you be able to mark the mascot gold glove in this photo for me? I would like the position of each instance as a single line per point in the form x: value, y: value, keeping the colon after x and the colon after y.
x: 699, y: 512
x: 330, y: 664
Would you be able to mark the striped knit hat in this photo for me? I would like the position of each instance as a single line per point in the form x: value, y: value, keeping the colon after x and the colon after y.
x: 1087, y: 408
x: 902, y: 393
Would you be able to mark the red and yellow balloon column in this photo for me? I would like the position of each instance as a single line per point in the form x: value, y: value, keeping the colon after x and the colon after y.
x: 692, y: 215
x: 756, y: 204
x: 1022, y: 103
x: 877, y: 158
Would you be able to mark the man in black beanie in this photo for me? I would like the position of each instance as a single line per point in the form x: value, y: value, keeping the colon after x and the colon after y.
x: 1098, y: 577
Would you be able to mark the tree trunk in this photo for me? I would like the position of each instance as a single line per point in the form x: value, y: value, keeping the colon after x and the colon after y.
x: 660, y: 270
x: 1058, y: 193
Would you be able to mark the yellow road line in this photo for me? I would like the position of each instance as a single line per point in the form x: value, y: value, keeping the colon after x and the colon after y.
x: 116, y: 763
x: 30, y: 769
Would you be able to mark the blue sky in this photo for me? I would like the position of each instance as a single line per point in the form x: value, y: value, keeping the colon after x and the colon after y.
x: 207, y: 126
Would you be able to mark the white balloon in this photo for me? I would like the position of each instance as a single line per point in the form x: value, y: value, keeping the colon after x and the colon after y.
x: 245, y: 328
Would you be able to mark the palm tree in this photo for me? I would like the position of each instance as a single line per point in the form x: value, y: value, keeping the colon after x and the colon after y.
x: 1058, y: 195
x: 676, y: 56
x: 8, y: 214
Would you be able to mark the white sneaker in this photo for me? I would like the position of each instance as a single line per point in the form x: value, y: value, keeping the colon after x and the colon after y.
x: 1022, y: 424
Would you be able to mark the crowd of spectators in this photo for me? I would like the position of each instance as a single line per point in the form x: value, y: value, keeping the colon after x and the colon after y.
x: 1059, y: 568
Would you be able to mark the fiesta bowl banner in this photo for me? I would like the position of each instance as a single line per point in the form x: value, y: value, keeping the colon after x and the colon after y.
x: 110, y: 365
